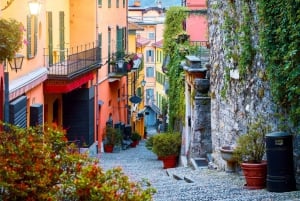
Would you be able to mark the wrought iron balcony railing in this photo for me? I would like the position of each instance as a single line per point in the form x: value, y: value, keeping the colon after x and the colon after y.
x: 68, y: 63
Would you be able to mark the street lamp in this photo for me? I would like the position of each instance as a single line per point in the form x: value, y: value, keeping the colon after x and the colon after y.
x: 120, y: 63
x: 34, y: 7
x: 16, y: 62
x: 143, y: 82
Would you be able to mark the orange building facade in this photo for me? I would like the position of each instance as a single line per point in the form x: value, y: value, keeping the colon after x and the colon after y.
x: 70, y: 75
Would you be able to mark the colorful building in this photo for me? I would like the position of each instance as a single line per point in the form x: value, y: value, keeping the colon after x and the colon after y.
x: 196, y: 24
x: 152, y: 21
x: 73, y: 74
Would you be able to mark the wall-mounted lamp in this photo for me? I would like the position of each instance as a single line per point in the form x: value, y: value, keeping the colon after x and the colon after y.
x: 16, y: 62
x: 34, y: 7
x: 120, y: 63
x: 143, y: 82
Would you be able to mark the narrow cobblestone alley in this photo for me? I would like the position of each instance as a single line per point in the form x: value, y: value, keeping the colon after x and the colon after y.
x: 186, y: 184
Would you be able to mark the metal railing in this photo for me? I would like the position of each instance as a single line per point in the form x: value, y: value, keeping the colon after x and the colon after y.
x: 68, y: 62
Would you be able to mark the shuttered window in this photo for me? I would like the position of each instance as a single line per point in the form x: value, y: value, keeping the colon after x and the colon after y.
x: 99, y: 3
x: 32, y: 31
x: 120, y: 43
x: 50, y: 38
x: 61, y: 36
x: 100, y: 46
x: 109, y: 3
x: 118, y: 3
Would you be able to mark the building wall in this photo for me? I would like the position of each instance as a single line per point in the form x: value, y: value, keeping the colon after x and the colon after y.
x: 196, y: 24
x: 112, y: 18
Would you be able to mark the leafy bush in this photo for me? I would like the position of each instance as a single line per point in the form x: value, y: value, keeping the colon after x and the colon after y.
x: 11, y: 33
x: 135, y: 136
x: 113, y: 136
x: 251, y: 146
x: 166, y: 144
x: 149, y: 142
x: 38, y: 164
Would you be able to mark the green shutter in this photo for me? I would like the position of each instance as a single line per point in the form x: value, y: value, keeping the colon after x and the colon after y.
x: 119, y: 42
x: 124, y: 3
x: 61, y: 36
x: 109, y: 3
x: 139, y: 92
x: 50, y: 38
x: 29, y: 37
x: 99, y: 2
x: 100, y: 46
x: 117, y: 3
x: 35, y: 35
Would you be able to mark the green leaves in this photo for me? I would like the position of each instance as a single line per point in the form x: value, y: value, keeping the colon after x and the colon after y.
x: 280, y: 42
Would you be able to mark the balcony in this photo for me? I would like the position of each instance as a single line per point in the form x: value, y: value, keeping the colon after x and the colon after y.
x: 68, y: 64
x: 203, y: 53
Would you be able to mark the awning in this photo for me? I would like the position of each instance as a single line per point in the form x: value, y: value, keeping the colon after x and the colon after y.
x: 25, y: 83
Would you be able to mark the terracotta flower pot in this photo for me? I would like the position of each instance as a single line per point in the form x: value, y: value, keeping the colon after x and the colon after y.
x: 255, y: 175
x: 134, y: 143
x: 169, y: 161
x: 108, y: 148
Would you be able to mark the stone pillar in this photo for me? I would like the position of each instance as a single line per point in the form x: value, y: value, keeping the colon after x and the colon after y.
x: 201, y: 144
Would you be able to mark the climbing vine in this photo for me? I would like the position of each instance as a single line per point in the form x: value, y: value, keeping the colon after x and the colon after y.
x: 175, y: 16
x: 280, y: 46
x: 239, y: 50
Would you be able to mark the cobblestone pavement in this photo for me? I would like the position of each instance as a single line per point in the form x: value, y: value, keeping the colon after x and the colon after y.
x: 186, y: 184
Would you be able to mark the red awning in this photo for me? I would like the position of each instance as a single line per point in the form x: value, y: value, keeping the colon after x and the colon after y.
x: 65, y: 86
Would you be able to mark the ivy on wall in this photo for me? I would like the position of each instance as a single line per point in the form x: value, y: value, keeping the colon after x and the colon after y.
x: 280, y: 47
x: 279, y: 44
x: 175, y: 16
x: 238, y: 46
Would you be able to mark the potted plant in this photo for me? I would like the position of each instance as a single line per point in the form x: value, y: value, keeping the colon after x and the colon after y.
x: 112, y: 137
x: 167, y: 147
x: 249, y: 153
x: 135, y: 137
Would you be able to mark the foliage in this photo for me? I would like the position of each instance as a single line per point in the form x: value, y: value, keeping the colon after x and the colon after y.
x: 135, y: 136
x: 113, y: 136
x: 38, y: 164
x: 11, y: 33
x: 251, y: 146
x: 149, y: 142
x: 239, y: 50
x: 175, y: 17
x: 166, y: 144
x: 279, y: 44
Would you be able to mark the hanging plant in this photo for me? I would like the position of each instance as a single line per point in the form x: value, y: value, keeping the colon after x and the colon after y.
x: 11, y: 34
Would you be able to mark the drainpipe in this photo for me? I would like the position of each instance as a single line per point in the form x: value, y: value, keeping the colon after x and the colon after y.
x: 97, y: 84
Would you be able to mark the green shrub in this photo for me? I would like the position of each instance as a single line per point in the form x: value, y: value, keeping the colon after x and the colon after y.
x: 166, y: 144
x: 251, y: 146
x: 135, y: 136
x: 38, y: 164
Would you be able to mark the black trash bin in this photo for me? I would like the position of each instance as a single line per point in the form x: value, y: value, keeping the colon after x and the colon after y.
x: 280, y: 168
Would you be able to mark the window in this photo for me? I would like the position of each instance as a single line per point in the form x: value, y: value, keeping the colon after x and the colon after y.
x: 149, y: 96
x: 32, y: 31
x: 100, y: 45
x: 150, y: 72
x: 150, y: 56
x: 109, y: 3
x: 117, y: 3
x: 120, y: 42
x: 50, y: 37
x: 151, y: 36
x: 61, y: 36
x: 100, y: 3
x: 124, y: 3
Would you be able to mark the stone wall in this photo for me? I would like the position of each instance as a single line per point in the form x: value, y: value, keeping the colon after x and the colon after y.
x: 246, y: 97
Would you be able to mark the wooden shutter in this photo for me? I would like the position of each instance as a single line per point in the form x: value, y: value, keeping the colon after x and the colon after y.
x: 50, y: 38
x: 62, y: 36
